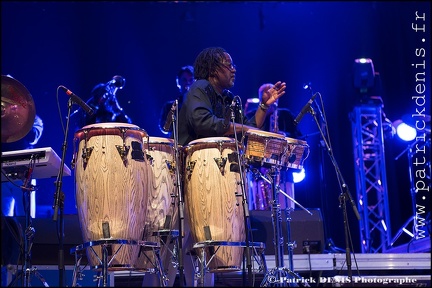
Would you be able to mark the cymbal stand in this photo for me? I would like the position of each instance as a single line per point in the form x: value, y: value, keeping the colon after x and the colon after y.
x: 279, y: 276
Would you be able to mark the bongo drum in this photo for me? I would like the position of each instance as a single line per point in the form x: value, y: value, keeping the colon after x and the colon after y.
x: 264, y: 148
x: 213, y: 200
x: 111, y: 190
x: 295, y: 154
x: 162, y: 209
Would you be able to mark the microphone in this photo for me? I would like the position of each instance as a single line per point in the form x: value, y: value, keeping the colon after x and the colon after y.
x: 304, y: 110
x: 169, y: 119
x: 78, y: 101
x: 117, y: 81
x: 233, y: 103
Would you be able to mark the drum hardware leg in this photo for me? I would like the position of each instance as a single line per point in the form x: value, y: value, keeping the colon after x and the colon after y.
x: 202, y: 265
x: 159, y: 269
x: 259, y: 257
x: 157, y: 266
x: 201, y: 270
x: 106, y: 245
x: 279, y: 275
x: 77, y: 273
x: 104, y: 265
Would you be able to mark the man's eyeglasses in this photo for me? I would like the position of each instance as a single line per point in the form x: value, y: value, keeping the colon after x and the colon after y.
x: 230, y: 66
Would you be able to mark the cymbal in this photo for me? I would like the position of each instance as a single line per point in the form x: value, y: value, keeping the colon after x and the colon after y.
x: 17, y: 110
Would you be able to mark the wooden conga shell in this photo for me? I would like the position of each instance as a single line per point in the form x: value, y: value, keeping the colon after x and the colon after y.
x: 213, y: 200
x: 161, y: 221
x: 111, y: 189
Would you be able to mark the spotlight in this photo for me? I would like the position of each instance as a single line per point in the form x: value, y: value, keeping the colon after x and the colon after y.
x: 367, y: 82
x: 299, y: 176
x: 364, y: 74
x: 404, y: 131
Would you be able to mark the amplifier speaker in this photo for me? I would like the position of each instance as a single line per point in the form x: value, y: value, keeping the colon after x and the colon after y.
x: 306, y: 230
x: 45, y: 248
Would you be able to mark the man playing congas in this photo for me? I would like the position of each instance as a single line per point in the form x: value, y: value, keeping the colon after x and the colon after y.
x: 208, y: 111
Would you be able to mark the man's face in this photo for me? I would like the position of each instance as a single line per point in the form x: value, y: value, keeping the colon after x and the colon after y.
x: 185, y: 81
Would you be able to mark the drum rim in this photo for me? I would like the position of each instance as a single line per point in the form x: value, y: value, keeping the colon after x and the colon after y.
x: 158, y: 140
x: 110, y: 125
x: 211, y: 140
x: 263, y: 133
x: 299, y: 141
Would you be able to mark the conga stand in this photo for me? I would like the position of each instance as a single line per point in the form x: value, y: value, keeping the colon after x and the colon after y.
x: 288, y: 224
x: 104, y: 264
x: 279, y: 276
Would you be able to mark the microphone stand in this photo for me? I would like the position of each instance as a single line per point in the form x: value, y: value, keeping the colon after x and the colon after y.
x: 245, y: 205
x: 59, y: 201
x: 343, y: 197
x: 179, y: 195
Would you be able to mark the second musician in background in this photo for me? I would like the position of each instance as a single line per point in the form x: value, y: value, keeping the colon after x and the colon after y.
x: 281, y: 121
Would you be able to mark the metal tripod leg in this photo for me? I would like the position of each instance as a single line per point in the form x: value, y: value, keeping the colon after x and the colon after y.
x: 278, y: 276
x: 105, y: 264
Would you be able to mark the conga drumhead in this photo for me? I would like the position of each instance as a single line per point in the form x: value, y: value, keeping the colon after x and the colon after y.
x: 265, y: 134
x: 110, y: 125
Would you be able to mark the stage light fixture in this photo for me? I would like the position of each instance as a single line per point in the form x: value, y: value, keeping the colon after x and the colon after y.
x: 404, y: 131
x: 364, y: 74
x: 299, y: 176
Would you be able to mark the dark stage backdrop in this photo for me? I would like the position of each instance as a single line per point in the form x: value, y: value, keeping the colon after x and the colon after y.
x: 81, y: 44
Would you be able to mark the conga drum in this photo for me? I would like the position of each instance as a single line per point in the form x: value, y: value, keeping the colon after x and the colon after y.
x: 112, y: 176
x: 161, y: 215
x: 213, y: 200
x: 264, y: 149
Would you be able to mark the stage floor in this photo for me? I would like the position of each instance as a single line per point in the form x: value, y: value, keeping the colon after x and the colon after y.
x: 319, y: 270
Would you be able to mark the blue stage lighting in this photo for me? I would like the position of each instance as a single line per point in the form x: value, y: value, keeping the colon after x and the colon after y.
x: 404, y: 131
x: 299, y: 176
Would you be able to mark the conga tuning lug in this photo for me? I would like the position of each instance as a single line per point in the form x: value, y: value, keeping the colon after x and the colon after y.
x: 190, y: 167
x: 123, y: 150
x: 221, y: 164
x: 73, y: 162
x: 171, y: 166
x: 86, y: 154
x: 150, y: 159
